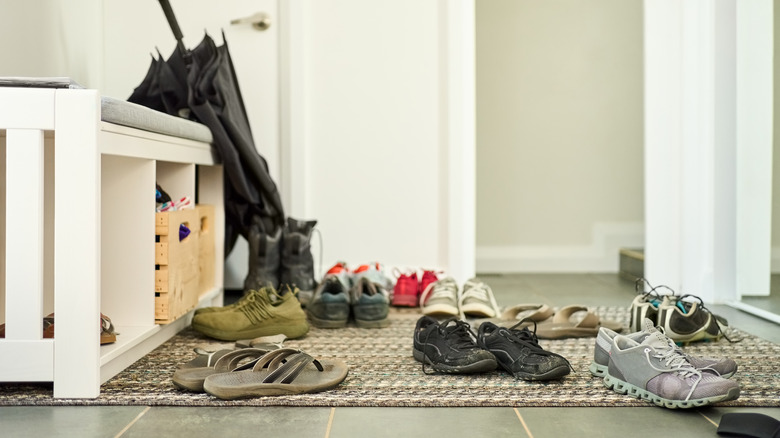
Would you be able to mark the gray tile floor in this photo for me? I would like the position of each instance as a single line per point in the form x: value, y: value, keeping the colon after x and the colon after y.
x: 552, y: 289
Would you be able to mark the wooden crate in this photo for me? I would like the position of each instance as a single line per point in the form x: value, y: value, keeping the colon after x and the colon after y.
x: 177, y: 272
x: 206, y: 244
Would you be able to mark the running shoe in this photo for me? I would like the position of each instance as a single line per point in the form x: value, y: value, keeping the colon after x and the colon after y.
x: 449, y: 347
x: 656, y: 371
x: 723, y: 367
x: 518, y: 352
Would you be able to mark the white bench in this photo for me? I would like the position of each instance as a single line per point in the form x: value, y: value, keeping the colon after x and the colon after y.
x: 77, y: 229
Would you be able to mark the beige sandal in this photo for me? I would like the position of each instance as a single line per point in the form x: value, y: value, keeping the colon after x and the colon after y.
x: 563, y: 325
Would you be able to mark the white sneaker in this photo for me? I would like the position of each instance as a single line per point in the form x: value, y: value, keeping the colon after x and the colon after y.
x: 477, y: 300
x: 440, y: 298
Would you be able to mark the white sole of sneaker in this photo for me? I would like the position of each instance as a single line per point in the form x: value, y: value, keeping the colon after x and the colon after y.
x: 622, y: 387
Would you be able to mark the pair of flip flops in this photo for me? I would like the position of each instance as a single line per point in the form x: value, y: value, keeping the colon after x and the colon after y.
x: 573, y: 321
x: 255, y: 372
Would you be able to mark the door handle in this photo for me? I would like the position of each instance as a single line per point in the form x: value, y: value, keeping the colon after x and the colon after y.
x: 260, y: 21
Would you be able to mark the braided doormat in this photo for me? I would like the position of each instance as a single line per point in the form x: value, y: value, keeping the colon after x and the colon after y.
x: 383, y: 373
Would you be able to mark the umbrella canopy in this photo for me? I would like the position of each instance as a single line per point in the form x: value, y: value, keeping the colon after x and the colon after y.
x: 202, y: 85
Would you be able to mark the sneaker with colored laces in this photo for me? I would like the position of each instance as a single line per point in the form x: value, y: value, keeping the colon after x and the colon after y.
x: 645, y: 304
x: 518, y: 352
x: 370, y: 303
x: 655, y: 370
x: 477, y: 300
x: 449, y: 347
x: 723, y: 367
x: 685, y: 319
x: 406, y: 290
x: 329, y: 307
x: 264, y: 312
x: 440, y: 298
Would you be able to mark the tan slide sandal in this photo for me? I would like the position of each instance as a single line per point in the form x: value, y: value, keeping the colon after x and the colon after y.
x: 512, y: 315
x: 564, y: 324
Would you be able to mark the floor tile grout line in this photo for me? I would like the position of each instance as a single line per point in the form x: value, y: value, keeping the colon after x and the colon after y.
x: 330, y: 422
x: 137, y: 417
x: 708, y: 419
x: 525, y: 426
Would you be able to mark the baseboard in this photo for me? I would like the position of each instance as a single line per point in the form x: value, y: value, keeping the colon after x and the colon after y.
x: 775, y: 260
x: 602, y: 255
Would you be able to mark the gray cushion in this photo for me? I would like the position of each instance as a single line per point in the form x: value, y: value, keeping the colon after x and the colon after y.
x: 124, y: 113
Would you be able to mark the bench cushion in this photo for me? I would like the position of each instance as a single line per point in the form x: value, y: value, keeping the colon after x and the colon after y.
x: 128, y: 114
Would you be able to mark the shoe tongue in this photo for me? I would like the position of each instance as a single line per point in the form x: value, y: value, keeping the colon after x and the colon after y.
x: 656, y: 340
x: 648, y: 325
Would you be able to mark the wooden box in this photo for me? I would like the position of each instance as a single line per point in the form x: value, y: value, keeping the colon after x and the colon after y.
x: 177, y: 271
x: 206, y: 250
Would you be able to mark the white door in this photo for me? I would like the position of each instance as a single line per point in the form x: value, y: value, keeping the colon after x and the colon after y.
x: 133, y: 31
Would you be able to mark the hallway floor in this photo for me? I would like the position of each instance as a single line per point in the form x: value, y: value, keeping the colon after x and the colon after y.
x: 552, y: 289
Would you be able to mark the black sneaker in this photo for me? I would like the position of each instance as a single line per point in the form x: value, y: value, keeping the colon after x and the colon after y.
x: 518, y: 352
x: 450, y: 347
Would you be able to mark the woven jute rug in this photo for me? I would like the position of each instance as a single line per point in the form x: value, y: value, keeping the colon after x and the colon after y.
x: 384, y: 373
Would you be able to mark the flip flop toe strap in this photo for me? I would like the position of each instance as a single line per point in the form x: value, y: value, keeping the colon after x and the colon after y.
x: 232, y: 360
x: 285, y: 365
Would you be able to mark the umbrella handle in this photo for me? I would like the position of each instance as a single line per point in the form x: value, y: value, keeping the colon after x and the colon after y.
x: 166, y: 6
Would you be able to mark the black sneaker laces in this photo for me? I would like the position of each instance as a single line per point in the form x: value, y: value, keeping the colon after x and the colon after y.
x: 458, y: 336
x: 529, y: 339
x: 639, y: 287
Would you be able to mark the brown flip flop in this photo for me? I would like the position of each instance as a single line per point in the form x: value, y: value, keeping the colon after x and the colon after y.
x: 192, y: 374
x: 280, y: 372
x: 562, y: 325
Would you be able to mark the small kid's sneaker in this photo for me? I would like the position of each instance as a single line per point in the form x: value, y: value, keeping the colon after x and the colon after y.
x: 406, y: 290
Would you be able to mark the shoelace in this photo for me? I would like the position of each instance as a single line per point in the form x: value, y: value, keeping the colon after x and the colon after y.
x: 652, y: 292
x: 478, y: 291
x: 446, y: 289
x: 458, y: 336
x: 678, y: 363
x: 529, y: 339
x: 256, y: 308
x: 680, y: 351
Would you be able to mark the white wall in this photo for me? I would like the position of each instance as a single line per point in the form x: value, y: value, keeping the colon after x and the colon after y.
x: 559, y: 134
x: 375, y: 160
x: 28, y: 31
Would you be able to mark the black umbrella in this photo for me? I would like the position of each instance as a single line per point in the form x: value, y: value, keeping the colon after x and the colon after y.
x: 202, y: 85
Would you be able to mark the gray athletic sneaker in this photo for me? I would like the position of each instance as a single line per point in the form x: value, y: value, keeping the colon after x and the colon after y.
x: 655, y: 370
x: 723, y: 367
